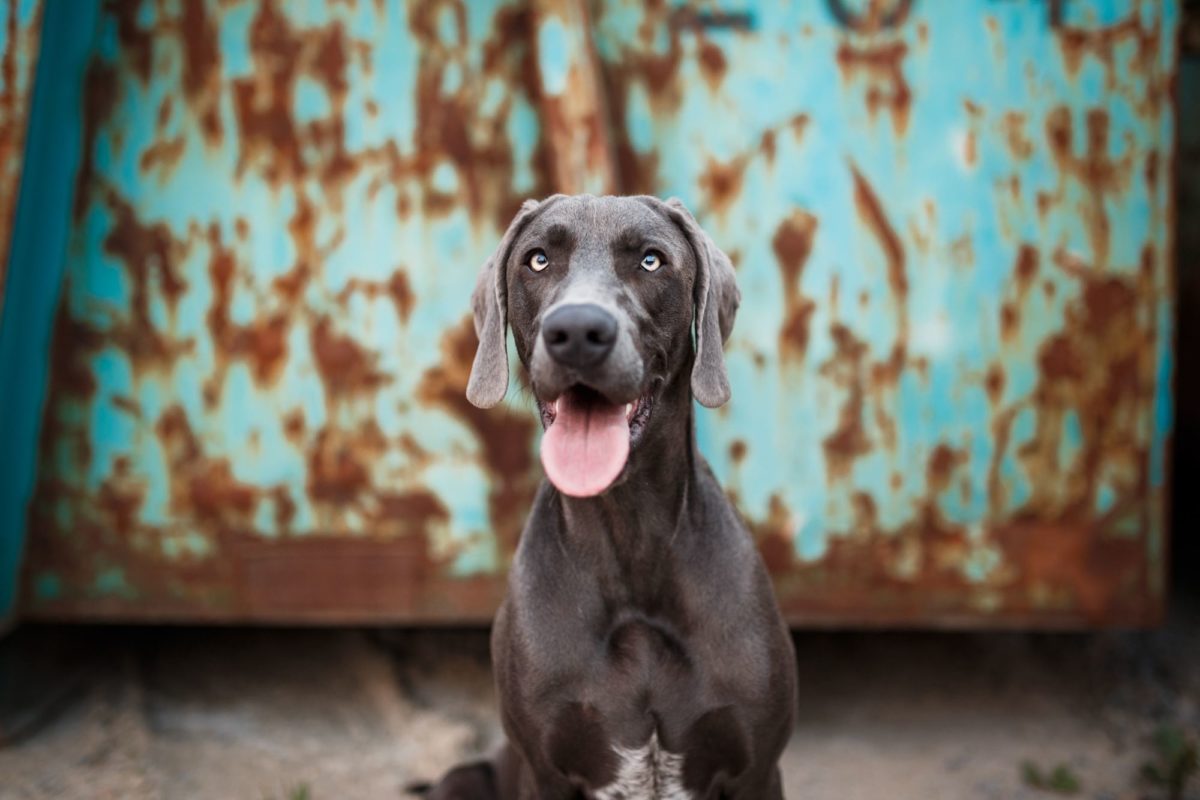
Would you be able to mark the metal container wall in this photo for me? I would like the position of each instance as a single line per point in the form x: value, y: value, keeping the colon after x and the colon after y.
x: 19, y: 40
x: 18, y: 60
x: 952, y: 368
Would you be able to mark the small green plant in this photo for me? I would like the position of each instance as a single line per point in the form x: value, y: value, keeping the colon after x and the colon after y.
x: 300, y: 792
x: 1176, y: 761
x: 1060, y: 780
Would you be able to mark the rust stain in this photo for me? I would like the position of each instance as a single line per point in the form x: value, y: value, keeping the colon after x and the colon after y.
x: 774, y: 536
x: 924, y: 552
x: 737, y: 451
x: 165, y: 109
x: 150, y: 256
x: 573, y: 129
x: 1026, y: 268
x: 1013, y: 124
x: 121, y: 498
x: 883, y: 67
x: 73, y: 346
x: 345, y: 366
x: 712, y: 63
x: 294, y: 426
x: 939, y: 470
x: 1101, y: 42
x: 767, y: 144
x: 1045, y: 204
x: 269, y: 137
x: 8, y: 73
x: 144, y: 250
x: 1010, y: 321
x: 15, y: 105
x: 870, y: 210
x: 657, y: 70
x: 451, y: 127
x: 137, y: 43
x: 1073, y: 556
x: 128, y: 405
x: 338, y: 470
x: 202, y: 488
x: 849, y: 440
x: 505, y: 436
x: 994, y: 383
x: 201, y: 67
x: 1100, y: 174
x: 1014, y: 187
x: 163, y: 156
x: 792, y: 244
x: 285, y: 509
x: 722, y: 182
x: 413, y: 449
x: 866, y: 513
x: 1100, y: 366
x: 1151, y: 173
x: 262, y: 342
x: 100, y: 94
x: 396, y: 288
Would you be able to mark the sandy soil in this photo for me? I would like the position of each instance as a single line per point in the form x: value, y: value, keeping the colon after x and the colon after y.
x: 320, y: 714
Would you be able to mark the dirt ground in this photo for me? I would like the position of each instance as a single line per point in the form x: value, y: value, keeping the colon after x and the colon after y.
x: 257, y: 714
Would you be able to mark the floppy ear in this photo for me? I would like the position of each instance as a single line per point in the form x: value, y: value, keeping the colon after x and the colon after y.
x: 717, y: 298
x: 489, y: 302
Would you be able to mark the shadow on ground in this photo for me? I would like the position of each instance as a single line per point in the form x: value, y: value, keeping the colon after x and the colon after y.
x: 259, y: 713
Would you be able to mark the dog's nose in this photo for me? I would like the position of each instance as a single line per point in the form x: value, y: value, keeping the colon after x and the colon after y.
x: 579, y: 335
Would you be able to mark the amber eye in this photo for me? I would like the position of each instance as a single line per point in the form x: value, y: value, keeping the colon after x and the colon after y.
x: 538, y: 261
x: 651, y: 261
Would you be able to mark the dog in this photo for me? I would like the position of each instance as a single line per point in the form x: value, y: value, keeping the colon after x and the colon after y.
x: 639, y: 652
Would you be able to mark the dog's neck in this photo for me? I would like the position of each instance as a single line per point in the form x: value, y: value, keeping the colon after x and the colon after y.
x: 631, y: 528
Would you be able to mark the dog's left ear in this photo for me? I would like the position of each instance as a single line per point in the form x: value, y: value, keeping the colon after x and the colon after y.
x: 717, y: 299
x: 489, y: 302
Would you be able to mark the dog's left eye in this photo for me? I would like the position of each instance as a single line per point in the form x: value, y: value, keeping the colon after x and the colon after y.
x: 651, y: 261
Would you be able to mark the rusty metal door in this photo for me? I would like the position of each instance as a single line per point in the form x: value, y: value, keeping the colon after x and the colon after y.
x: 34, y: 287
x: 951, y: 223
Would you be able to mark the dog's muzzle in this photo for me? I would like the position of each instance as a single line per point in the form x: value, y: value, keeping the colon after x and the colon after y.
x: 588, y: 435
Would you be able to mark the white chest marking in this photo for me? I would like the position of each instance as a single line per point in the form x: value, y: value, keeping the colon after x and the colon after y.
x: 646, y: 773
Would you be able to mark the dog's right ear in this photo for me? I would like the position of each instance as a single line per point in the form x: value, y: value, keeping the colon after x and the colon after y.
x: 489, y: 302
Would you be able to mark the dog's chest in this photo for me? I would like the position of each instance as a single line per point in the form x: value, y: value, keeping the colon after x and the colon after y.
x: 648, y: 772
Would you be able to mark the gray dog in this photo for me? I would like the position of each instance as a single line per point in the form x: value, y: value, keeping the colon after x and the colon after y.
x: 640, y: 652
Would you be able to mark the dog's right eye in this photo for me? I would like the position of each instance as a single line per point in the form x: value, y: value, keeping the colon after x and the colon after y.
x: 538, y: 261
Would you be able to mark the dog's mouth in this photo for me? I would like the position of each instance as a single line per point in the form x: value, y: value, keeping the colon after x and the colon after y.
x: 588, y: 438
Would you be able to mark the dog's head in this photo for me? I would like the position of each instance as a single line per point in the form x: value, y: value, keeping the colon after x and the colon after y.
x: 603, y: 295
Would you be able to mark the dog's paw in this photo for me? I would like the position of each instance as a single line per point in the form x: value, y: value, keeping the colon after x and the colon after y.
x: 475, y: 781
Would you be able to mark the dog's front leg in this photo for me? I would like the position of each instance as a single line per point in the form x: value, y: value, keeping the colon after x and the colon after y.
x: 505, y: 776
x: 769, y: 787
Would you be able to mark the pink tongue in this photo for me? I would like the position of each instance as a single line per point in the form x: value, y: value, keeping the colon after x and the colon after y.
x: 585, y: 448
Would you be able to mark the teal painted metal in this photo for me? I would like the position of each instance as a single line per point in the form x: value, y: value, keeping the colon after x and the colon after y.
x: 952, y: 229
x: 35, y: 258
x: 955, y: 234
